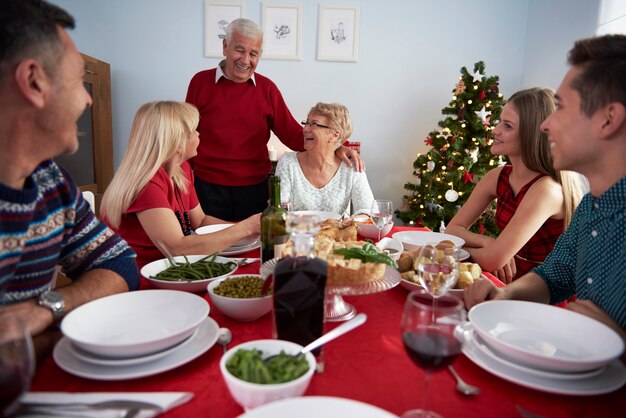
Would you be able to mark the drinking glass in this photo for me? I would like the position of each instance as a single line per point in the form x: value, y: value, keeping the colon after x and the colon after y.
x: 17, y: 362
x: 428, y: 335
x: 382, y: 210
x: 437, y: 269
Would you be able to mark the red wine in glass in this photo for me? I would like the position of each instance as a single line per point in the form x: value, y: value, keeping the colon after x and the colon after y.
x: 428, y: 335
x: 17, y: 362
x: 431, y: 349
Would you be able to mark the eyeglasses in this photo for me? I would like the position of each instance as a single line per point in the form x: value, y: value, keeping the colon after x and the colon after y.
x: 314, y: 125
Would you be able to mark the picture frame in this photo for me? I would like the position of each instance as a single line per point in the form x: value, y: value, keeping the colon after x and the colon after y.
x: 217, y: 15
x: 338, y: 33
x: 282, y: 31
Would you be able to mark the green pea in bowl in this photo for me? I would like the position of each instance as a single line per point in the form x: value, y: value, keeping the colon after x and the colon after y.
x: 213, y: 268
x: 238, y: 297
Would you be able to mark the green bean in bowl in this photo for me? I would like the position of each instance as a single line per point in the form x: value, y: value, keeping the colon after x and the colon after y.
x: 189, y: 273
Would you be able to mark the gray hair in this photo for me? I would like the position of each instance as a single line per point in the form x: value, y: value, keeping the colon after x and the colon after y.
x: 244, y: 27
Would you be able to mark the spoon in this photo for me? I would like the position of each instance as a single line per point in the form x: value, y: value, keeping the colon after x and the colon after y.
x: 358, y: 320
x: 461, y: 386
x: 224, y: 337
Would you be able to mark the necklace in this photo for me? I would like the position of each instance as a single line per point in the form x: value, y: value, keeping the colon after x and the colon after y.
x: 183, y: 218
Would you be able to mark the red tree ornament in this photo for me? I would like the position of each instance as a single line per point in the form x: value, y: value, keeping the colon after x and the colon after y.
x: 467, y: 177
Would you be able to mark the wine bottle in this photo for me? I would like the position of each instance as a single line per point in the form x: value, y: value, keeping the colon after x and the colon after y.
x: 299, y: 285
x: 273, y: 218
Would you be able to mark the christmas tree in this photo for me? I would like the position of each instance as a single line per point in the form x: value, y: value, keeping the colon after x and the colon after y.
x: 459, y: 157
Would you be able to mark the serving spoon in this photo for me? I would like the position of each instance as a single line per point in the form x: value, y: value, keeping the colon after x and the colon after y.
x: 358, y: 320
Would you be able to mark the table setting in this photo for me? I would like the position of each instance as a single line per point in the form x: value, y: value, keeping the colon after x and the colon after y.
x: 367, y: 372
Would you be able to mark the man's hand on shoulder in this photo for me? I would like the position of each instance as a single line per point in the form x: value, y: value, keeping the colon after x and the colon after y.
x: 351, y: 158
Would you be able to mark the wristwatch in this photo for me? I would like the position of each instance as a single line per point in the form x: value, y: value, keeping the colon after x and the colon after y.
x: 53, y: 301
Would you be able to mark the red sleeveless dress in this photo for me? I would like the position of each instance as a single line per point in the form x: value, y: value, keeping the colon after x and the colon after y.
x: 541, y: 244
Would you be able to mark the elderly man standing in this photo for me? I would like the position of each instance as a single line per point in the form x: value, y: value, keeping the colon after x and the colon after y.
x: 44, y: 221
x: 587, y: 134
x: 238, y: 109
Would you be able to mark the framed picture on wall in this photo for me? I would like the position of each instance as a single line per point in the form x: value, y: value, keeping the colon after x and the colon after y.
x: 217, y: 15
x: 338, y: 33
x: 282, y: 31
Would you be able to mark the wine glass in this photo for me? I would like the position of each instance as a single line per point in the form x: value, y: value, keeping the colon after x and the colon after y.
x: 381, y: 213
x: 17, y: 362
x: 437, y: 269
x: 428, y: 335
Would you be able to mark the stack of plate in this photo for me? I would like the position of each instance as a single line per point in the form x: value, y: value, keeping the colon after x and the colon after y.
x: 135, y: 334
x: 244, y: 245
x: 544, y: 347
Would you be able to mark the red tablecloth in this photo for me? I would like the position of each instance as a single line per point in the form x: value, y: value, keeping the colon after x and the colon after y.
x: 369, y: 364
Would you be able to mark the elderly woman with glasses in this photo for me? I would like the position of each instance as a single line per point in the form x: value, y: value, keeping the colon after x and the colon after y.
x: 316, y: 179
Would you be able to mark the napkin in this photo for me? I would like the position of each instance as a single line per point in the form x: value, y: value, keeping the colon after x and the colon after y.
x: 166, y: 400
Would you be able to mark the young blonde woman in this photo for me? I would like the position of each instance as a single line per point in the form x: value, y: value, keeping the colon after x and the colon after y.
x: 316, y: 179
x: 534, y: 204
x: 151, y: 201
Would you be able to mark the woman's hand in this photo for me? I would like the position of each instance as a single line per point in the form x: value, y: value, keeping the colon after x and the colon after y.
x: 507, y: 272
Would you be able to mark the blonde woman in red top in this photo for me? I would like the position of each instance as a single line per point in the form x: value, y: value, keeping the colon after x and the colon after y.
x: 151, y: 201
x: 534, y: 202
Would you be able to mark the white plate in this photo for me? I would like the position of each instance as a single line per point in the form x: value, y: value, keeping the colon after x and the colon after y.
x: 534, y: 334
x: 610, y: 379
x: 135, y: 324
x: 413, y: 239
x: 151, y: 269
x: 535, y: 372
x: 198, y: 345
x: 240, y: 250
x: 317, y: 406
x: 463, y: 255
x: 322, y: 215
x: 107, y: 361
x: 415, y: 286
x: 244, y: 242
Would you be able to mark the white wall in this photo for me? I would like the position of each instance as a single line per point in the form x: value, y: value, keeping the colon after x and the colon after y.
x: 410, y: 55
x: 553, y: 26
x: 612, y: 17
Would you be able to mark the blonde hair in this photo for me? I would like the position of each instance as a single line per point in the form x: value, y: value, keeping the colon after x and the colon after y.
x: 338, y: 118
x: 159, y: 131
x: 533, y: 106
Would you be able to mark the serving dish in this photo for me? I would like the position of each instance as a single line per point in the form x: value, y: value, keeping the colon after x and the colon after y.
x: 412, y: 240
x: 150, y: 270
x: 241, y: 309
x: 250, y: 395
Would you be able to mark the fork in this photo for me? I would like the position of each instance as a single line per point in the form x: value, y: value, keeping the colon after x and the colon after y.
x: 127, y: 404
x: 245, y: 261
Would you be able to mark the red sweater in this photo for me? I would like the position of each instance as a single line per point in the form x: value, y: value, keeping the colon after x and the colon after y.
x: 235, y: 124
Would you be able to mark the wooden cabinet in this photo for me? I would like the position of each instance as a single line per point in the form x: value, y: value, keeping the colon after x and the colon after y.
x: 91, y: 166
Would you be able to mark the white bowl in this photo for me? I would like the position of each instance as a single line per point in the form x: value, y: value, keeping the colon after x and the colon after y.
x: 207, y: 229
x: 152, y: 269
x: 250, y: 395
x: 370, y: 231
x: 393, y: 245
x: 413, y: 240
x: 241, y: 309
x: 135, y: 324
x: 545, y: 337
